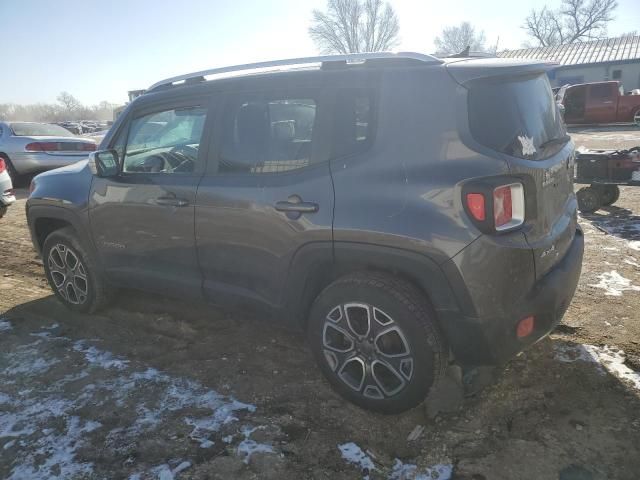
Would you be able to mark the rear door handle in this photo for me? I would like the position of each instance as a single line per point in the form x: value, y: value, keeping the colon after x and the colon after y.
x: 294, y: 207
x: 302, y: 207
x: 172, y: 201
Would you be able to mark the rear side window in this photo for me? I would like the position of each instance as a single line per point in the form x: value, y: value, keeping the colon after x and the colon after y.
x: 267, y: 135
x: 601, y: 92
x: 353, y: 121
x: 518, y: 118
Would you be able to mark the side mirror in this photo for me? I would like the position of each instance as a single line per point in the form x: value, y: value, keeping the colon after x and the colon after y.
x: 104, y: 163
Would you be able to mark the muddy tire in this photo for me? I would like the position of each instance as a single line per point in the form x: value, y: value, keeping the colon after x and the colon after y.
x: 72, y: 273
x: 376, y: 340
x: 588, y: 199
x: 609, y: 194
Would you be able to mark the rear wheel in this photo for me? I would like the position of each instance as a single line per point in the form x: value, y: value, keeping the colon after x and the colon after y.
x: 375, y: 339
x: 588, y: 199
x: 609, y: 194
x: 72, y: 273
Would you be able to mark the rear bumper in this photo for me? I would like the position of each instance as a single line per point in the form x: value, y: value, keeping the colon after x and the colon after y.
x: 6, y: 193
x: 492, y: 340
x: 27, y: 162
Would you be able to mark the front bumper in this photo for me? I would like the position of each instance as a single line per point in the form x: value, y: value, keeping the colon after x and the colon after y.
x: 28, y: 162
x: 492, y: 340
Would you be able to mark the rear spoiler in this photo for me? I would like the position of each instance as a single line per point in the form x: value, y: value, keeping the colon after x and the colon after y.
x: 468, y: 70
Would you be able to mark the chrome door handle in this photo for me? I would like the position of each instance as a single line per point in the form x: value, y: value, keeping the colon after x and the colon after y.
x: 302, y: 207
x: 172, y: 201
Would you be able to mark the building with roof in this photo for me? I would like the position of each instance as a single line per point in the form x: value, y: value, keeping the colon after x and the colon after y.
x: 593, y: 61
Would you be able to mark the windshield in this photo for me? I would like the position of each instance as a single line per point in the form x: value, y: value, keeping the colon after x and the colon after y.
x: 517, y: 117
x: 24, y: 129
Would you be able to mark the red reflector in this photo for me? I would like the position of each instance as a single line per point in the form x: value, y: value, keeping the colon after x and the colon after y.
x: 475, y: 203
x: 525, y: 327
x: 502, y: 206
x: 88, y: 147
x: 3, y: 167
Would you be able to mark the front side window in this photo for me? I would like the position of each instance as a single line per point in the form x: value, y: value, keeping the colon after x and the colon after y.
x: 165, y: 142
x: 267, y: 135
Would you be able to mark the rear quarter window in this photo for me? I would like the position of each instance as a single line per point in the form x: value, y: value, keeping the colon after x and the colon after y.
x: 517, y: 117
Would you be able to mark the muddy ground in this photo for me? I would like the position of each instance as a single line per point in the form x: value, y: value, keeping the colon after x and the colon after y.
x: 155, y: 388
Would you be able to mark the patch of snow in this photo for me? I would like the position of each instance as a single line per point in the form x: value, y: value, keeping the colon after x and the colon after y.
x: 406, y: 471
x: 634, y: 244
x: 631, y: 261
x: 248, y: 447
x: 607, y: 359
x: 5, y: 325
x: 46, y: 425
x: 352, y: 453
x: 99, y: 358
x: 614, y: 284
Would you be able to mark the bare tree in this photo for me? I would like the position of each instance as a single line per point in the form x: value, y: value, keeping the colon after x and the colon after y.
x: 574, y: 21
x: 70, y: 103
x: 355, y: 26
x: 456, y: 39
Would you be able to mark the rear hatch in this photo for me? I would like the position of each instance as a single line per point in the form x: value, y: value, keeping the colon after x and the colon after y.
x: 513, y: 116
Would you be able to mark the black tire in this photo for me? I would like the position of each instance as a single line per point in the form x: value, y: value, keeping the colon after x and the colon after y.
x: 96, y: 293
x: 609, y: 194
x: 3, y: 210
x: 350, y: 372
x: 588, y: 199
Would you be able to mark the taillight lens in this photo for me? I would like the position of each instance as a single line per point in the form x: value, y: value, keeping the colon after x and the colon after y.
x: 60, y: 147
x: 494, y: 207
x: 475, y: 203
x: 508, y: 206
x: 3, y: 166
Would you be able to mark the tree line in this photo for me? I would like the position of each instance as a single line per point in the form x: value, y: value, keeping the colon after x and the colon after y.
x: 355, y: 26
x: 67, y: 108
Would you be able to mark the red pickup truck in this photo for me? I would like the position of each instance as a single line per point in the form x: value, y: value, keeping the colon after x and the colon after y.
x: 601, y: 102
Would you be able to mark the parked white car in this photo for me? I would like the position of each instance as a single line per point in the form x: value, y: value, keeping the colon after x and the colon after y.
x: 29, y: 147
x: 6, y: 189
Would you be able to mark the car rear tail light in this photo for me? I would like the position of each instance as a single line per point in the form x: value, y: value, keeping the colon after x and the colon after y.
x: 60, y: 147
x: 525, y: 327
x: 508, y: 206
x: 3, y: 166
x: 493, y: 205
x: 475, y: 203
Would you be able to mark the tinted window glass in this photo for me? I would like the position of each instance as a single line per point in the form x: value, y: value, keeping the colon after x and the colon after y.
x: 267, y: 136
x: 165, y: 141
x: 519, y: 118
x: 601, y: 92
x: 352, y: 121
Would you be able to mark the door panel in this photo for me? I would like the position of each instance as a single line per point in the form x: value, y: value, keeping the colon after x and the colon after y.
x: 268, y: 193
x: 143, y: 219
x: 601, y: 103
x: 244, y: 244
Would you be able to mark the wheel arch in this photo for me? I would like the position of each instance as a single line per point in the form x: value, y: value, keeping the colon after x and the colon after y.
x: 314, y: 267
x: 45, y: 219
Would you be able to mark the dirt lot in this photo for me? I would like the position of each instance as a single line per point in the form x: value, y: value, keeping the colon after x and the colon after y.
x: 155, y: 388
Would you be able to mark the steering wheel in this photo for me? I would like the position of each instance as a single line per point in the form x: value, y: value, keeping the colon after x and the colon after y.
x: 182, y: 158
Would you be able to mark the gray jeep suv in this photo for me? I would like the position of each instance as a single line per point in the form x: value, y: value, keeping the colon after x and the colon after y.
x: 406, y: 211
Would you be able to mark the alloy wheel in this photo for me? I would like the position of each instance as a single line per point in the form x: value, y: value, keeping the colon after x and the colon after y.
x: 68, y: 274
x: 367, y: 350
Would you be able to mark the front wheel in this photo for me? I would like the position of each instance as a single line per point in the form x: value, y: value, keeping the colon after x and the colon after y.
x: 375, y: 339
x: 72, y: 273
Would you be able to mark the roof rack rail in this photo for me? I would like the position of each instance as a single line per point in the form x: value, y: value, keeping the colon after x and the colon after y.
x: 348, y: 58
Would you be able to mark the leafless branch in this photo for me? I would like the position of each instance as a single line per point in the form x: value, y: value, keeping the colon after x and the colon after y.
x: 353, y: 26
x: 456, y: 39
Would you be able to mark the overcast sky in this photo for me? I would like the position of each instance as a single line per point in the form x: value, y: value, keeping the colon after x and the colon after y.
x: 97, y: 50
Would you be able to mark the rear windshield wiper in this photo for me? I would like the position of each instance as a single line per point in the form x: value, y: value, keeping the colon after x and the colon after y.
x: 555, y: 141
